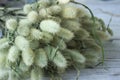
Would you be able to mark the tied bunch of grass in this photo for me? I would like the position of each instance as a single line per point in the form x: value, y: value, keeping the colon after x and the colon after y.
x: 52, y: 36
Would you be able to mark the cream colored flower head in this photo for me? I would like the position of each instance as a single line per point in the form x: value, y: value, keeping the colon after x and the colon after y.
x: 69, y: 12
x: 22, y: 43
x: 33, y: 17
x: 63, y: 1
x: 36, y: 34
x: 65, y: 34
x: 13, y: 54
x: 11, y: 24
x: 43, y: 13
x: 25, y: 23
x: 28, y: 56
x: 23, y: 30
x: 50, y: 26
x: 55, y: 9
x: 27, y: 8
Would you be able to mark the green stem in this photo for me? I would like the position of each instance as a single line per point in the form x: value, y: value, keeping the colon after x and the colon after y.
x: 57, y: 48
x: 109, y: 22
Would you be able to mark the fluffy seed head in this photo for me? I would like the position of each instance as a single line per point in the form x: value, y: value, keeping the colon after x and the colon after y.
x: 34, y: 44
x: 76, y: 56
x: 92, y: 45
x: 13, y: 54
x: 36, y: 34
x: 102, y: 35
x: 82, y: 34
x: 63, y: 1
x: 11, y: 24
x: 36, y: 74
x: 27, y: 8
x: 3, y: 58
x: 4, y: 45
x: 60, y: 61
x: 43, y: 13
x: 25, y: 23
x: 21, y: 43
x: 33, y: 17
x: 65, y: 34
x: 69, y: 12
x: 56, y: 57
x: 43, y: 3
x: 72, y: 25
x: 62, y: 44
x: 47, y: 37
x: 28, y: 56
x: 23, y: 66
x: 23, y: 30
x: 41, y: 58
x: 56, y: 9
x: 2, y: 40
x: 82, y: 12
x: 50, y: 26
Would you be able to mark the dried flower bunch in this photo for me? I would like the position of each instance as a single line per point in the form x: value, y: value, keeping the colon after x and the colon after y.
x: 53, y: 36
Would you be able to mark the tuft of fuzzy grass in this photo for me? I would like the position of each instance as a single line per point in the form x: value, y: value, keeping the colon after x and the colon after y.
x: 43, y: 3
x: 63, y: 1
x: 25, y: 23
x: 82, y: 34
x: 69, y: 12
x: 28, y: 56
x: 13, y: 54
x: 23, y: 30
x: 62, y: 45
x: 50, y: 26
x: 3, y: 58
x: 4, y: 45
x: 47, y: 37
x: 102, y: 35
x: 36, y: 74
x: 76, y: 56
x: 27, y: 8
x: 72, y: 25
x: 44, y: 13
x: 65, y: 34
x: 56, y: 57
x: 36, y: 34
x: 23, y: 67
x: 33, y: 17
x: 11, y: 24
x: 59, y: 60
x: 41, y: 58
x: 55, y: 9
x: 34, y: 44
x: 22, y: 43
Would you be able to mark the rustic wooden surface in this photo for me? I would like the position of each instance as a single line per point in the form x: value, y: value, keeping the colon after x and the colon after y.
x: 111, y: 68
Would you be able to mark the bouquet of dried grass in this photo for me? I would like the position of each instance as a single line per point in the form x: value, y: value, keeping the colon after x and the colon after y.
x: 49, y: 37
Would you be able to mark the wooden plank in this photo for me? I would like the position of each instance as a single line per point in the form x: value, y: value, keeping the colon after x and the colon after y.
x: 94, y: 74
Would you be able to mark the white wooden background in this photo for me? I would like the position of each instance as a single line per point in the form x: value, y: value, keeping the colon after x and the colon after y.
x: 111, y: 68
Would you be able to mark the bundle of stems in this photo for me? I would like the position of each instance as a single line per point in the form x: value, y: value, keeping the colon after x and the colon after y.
x: 49, y: 37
